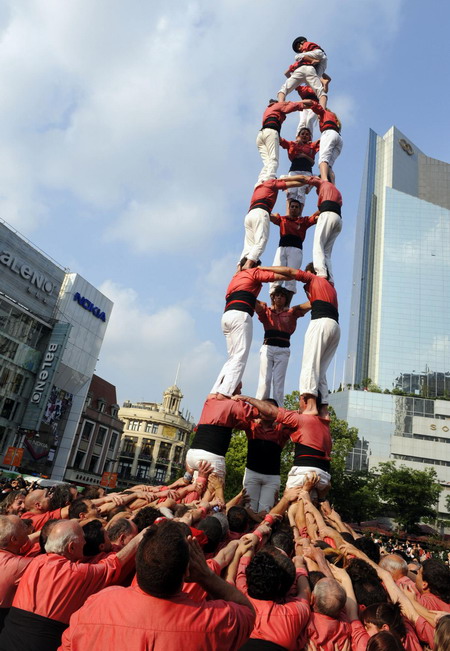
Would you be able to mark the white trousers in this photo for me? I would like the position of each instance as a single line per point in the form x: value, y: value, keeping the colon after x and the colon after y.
x: 328, y: 227
x: 287, y: 256
x: 321, y: 340
x: 298, y: 193
x: 308, y: 120
x: 238, y: 330
x: 304, y: 75
x: 257, y: 225
x: 261, y: 489
x: 268, y: 142
x: 298, y: 475
x: 330, y: 146
x: 194, y: 457
x: 273, y: 362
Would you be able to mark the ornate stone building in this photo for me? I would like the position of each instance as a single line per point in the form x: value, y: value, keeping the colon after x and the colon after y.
x: 155, y: 440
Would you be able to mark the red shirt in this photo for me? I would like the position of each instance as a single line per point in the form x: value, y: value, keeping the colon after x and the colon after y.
x: 54, y: 587
x: 326, y: 633
x: 12, y: 566
x: 317, y: 288
x: 360, y: 637
x: 327, y: 191
x: 308, y: 429
x: 265, y: 194
x: 128, y: 618
x: 227, y: 413
x: 277, y: 433
x: 278, y: 623
x: 276, y: 113
x: 39, y: 519
x: 297, y: 226
x: 195, y: 590
x: 285, y: 321
x: 432, y: 602
x: 405, y: 580
x: 249, y: 280
x: 306, y: 92
x: 425, y: 631
x: 327, y: 119
x: 300, y: 150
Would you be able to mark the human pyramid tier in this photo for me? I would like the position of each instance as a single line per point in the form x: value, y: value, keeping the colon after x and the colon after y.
x: 267, y: 424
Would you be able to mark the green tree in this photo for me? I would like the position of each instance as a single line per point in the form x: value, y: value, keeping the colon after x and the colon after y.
x: 355, y: 496
x: 410, y: 494
x: 235, y: 460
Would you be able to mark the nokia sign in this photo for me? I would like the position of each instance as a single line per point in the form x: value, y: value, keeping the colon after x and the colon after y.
x: 89, y: 306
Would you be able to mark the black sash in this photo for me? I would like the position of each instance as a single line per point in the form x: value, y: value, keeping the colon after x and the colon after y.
x: 277, y: 338
x: 301, y: 164
x: 212, y: 438
x: 330, y: 206
x: 306, y: 456
x: 264, y: 457
x: 30, y: 632
x: 242, y: 301
x: 261, y: 645
x: 3, y: 613
x: 321, y: 309
x: 265, y: 204
x: 291, y: 240
x: 272, y: 123
x: 328, y: 125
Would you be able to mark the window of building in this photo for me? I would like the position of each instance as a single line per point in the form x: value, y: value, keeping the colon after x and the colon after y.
x: 92, y: 463
x: 160, y: 474
x: 124, y: 469
x: 3, y: 437
x: 164, y: 451
x: 102, y: 432
x: 151, y: 428
x: 143, y: 471
x: 4, y: 375
x: 177, y: 454
x: 113, y: 411
x: 8, y: 408
x: 16, y: 383
x: 8, y: 348
x: 101, y: 405
x: 147, y: 447
x: 87, y: 430
x: 88, y: 401
x: 129, y: 445
x: 180, y: 435
x: 79, y: 458
x: 133, y: 425
x: 113, y: 441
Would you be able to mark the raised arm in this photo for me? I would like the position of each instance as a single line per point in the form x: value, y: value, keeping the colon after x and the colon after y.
x: 266, y: 409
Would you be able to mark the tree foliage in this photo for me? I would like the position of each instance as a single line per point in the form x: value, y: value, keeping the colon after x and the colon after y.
x: 355, y: 496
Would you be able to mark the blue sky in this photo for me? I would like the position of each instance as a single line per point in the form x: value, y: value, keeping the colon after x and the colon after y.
x: 128, y: 152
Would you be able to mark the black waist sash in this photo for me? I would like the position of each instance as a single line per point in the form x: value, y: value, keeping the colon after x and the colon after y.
x: 306, y: 456
x: 30, y: 632
x: 272, y: 123
x: 301, y: 164
x: 261, y: 645
x: 212, y: 438
x: 242, y: 301
x: 3, y: 613
x: 291, y: 240
x: 330, y: 206
x: 265, y: 204
x: 264, y: 457
x: 328, y: 125
x: 321, y: 309
x: 277, y: 338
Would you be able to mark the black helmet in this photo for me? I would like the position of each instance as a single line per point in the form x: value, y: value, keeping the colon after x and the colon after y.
x: 298, y: 41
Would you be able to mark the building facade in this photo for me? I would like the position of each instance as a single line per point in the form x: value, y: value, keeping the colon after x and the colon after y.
x: 400, y: 312
x: 155, y: 440
x: 96, y: 444
x: 52, y: 324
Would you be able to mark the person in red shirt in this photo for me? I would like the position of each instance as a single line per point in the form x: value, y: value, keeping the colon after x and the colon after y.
x: 309, y: 68
x: 257, y: 220
x: 330, y: 141
x: 268, y: 138
x: 237, y: 323
x: 328, y: 226
x: 154, y: 613
x: 54, y: 586
x: 327, y: 628
x: 13, y: 536
x: 302, y: 153
x: 37, y: 504
x: 398, y: 569
x: 308, y: 118
x: 14, y: 503
x: 280, y: 322
x: 290, y: 246
x: 433, y: 582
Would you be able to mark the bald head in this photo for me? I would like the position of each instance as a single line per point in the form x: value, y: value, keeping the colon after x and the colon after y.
x: 329, y: 598
x: 13, y: 533
x: 66, y: 538
x: 395, y: 565
x: 37, y: 501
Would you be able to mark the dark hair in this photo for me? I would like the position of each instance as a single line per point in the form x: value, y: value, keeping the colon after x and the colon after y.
x: 162, y: 559
x: 78, y: 507
x: 310, y: 268
x: 91, y: 492
x: 385, y: 641
x: 119, y: 527
x: 314, y: 577
x: 44, y: 533
x: 437, y: 575
x: 366, y: 584
x: 60, y: 497
x: 242, y: 261
x: 369, y: 547
x: 237, y: 519
x: 145, y: 517
x: 283, y: 540
x: 385, y: 613
x: 116, y: 510
x: 213, y: 530
x: 94, y: 535
x: 347, y: 536
x: 269, y: 576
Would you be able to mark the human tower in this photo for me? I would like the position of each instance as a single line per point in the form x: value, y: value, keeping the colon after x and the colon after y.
x: 225, y: 409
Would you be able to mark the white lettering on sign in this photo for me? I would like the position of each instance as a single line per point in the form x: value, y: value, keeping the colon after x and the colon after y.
x: 43, y: 374
x: 27, y: 273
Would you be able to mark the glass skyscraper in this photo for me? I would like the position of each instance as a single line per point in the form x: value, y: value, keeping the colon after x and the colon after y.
x: 400, y: 310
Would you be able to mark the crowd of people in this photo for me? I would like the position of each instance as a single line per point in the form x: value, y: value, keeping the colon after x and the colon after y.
x: 178, y: 567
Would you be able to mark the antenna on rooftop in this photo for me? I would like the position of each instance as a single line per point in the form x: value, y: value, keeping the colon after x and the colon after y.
x: 176, y: 376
